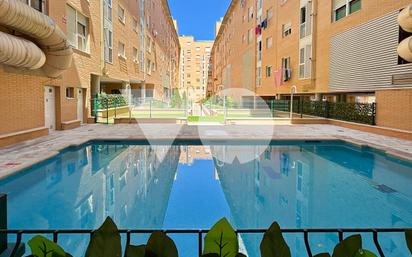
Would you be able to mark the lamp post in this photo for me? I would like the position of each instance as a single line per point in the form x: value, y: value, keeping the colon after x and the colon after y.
x: 293, y: 91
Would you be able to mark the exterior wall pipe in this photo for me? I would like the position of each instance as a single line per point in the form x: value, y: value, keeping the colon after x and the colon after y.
x: 405, y: 18
x: 19, y: 52
x: 43, y: 30
x: 405, y: 49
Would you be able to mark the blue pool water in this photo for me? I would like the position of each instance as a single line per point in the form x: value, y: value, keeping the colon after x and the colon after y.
x: 299, y: 184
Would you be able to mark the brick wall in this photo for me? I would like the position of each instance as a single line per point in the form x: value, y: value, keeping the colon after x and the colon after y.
x: 394, y: 108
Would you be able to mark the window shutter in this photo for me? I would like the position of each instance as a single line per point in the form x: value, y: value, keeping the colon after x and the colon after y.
x: 338, y: 4
x: 309, y: 18
x: 71, y: 25
x: 308, y: 62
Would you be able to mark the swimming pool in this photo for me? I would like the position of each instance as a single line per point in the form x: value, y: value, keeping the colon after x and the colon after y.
x: 300, y: 184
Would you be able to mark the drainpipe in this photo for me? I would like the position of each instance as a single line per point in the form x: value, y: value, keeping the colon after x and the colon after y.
x: 293, y: 91
x: 314, y: 41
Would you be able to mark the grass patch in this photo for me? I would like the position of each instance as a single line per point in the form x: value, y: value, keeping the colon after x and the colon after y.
x: 218, y: 118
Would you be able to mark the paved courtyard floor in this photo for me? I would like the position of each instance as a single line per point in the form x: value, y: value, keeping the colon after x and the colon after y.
x: 19, y: 156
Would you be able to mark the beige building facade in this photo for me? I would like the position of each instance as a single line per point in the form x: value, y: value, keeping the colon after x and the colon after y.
x: 338, y: 50
x: 117, y: 46
x: 194, y: 67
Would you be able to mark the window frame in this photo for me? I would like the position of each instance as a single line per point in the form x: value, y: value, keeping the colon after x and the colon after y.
x: 122, y: 18
x: 109, y: 46
x: 85, y: 38
x: 121, y: 54
x: 70, y: 93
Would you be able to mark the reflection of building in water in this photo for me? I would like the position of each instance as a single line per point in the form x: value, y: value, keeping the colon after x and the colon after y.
x: 316, y: 186
x: 194, y: 152
x: 80, y: 187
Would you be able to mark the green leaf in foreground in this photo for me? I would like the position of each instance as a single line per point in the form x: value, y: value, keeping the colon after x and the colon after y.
x: 348, y: 247
x: 365, y: 253
x: 160, y: 245
x: 408, y: 237
x: 43, y: 247
x: 222, y: 240
x: 273, y: 243
x: 105, y: 241
x: 210, y: 255
x: 135, y: 251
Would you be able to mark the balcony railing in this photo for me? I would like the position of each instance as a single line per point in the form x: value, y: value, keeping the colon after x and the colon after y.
x: 200, y: 233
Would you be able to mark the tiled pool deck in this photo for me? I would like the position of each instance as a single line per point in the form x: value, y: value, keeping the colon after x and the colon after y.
x: 17, y: 157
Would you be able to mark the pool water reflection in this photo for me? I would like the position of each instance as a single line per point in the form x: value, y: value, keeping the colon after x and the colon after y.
x: 298, y: 184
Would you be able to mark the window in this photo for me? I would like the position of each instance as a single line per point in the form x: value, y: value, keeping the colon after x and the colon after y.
x: 354, y: 6
x: 340, y: 13
x: 149, y: 44
x: 149, y: 67
x: 302, y: 63
x: 135, y: 55
x: 108, y: 45
x: 122, y: 50
x: 306, y: 20
x: 303, y: 22
x: 286, y: 70
x: 305, y: 62
x: 269, y: 14
x: 258, y: 76
x: 121, y: 14
x: 269, y: 42
x: 250, y: 12
x: 70, y: 92
x: 39, y: 5
x: 286, y: 29
x: 250, y: 36
x: 343, y: 8
x: 77, y: 29
x: 268, y: 71
x: 134, y: 25
x: 108, y: 9
x: 286, y: 63
x: 82, y: 35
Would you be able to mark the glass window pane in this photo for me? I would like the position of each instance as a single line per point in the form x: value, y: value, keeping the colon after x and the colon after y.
x: 340, y: 13
x: 355, y: 5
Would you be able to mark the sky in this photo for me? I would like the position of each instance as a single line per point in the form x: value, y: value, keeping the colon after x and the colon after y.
x: 197, y: 17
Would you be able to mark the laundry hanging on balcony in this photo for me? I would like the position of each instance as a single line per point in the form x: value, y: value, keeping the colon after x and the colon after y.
x: 264, y: 24
x: 258, y: 30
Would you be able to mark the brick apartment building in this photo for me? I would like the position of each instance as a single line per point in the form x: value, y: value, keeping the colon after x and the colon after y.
x: 109, y: 46
x: 337, y: 50
x: 194, y: 67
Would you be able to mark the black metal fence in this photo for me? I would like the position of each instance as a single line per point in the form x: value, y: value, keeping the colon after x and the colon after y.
x: 354, y: 112
x: 200, y: 233
x: 55, y: 233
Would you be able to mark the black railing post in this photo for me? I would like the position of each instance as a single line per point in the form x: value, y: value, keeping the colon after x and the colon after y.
x: 3, y: 222
x: 373, y: 114
x: 326, y: 109
x: 301, y: 107
x: 107, y: 110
